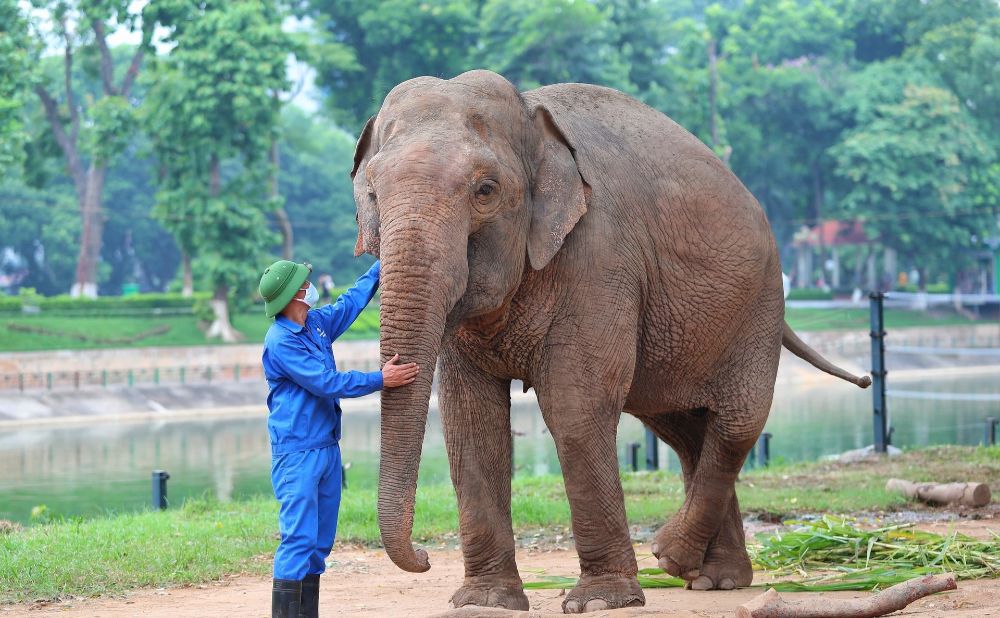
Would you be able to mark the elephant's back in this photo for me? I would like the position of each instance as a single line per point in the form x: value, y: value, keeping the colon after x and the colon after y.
x: 604, y: 121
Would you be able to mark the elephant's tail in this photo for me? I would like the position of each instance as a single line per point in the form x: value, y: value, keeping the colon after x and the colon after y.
x: 798, y: 347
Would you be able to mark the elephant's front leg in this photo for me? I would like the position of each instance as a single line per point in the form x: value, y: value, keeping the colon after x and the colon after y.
x: 475, y: 413
x: 583, y: 420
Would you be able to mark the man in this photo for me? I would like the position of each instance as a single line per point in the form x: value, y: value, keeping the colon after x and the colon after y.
x: 304, y: 422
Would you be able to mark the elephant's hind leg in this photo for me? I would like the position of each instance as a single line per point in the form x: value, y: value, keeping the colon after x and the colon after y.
x: 704, y: 542
x: 475, y: 413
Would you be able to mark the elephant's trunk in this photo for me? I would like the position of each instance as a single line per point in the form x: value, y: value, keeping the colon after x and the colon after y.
x: 421, y: 280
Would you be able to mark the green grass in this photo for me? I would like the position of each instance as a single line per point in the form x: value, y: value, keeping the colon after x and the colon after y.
x: 858, y: 319
x: 204, y: 540
x: 183, y: 330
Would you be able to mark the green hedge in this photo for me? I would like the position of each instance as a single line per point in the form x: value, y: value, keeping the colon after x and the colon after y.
x: 135, y: 304
x: 932, y: 288
x: 809, y: 294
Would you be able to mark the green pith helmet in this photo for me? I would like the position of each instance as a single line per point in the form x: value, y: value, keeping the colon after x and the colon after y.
x: 280, y: 282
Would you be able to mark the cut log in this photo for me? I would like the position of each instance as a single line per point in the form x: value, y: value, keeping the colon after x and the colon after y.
x: 966, y: 494
x: 892, y: 599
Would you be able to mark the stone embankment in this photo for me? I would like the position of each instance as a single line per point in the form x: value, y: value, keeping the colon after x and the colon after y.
x: 226, y: 379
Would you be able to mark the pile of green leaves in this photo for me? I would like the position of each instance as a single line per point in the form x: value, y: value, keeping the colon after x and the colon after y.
x: 842, y: 556
x: 857, y: 559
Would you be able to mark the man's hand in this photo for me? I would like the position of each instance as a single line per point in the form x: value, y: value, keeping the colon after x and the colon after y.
x: 394, y: 374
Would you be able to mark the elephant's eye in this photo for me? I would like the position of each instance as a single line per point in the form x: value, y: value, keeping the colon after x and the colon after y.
x: 487, y: 191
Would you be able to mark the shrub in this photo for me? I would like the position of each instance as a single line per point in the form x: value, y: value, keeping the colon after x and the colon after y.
x: 136, y: 304
x: 809, y: 294
x: 10, y: 304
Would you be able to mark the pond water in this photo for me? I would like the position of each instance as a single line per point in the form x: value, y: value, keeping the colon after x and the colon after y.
x: 105, y: 467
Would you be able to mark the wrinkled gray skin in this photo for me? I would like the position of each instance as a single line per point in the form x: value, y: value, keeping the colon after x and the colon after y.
x: 578, y: 240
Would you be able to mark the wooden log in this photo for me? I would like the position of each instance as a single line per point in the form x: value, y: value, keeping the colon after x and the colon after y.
x: 966, y: 494
x: 892, y: 599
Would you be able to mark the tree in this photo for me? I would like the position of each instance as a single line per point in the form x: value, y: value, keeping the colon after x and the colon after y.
x: 316, y: 185
x: 369, y: 46
x: 538, y: 42
x: 911, y: 165
x: 13, y: 88
x: 212, y: 116
x: 89, y: 142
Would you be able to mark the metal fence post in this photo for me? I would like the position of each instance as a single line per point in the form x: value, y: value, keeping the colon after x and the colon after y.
x: 652, y: 451
x: 879, y: 412
x: 764, y: 450
x: 633, y: 456
x: 160, y: 489
x: 990, y: 438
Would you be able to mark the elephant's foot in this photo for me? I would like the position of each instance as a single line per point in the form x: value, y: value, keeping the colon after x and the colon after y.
x: 598, y: 592
x: 676, y: 554
x: 726, y: 566
x: 491, y: 592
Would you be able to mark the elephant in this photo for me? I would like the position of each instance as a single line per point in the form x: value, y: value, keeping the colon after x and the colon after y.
x: 579, y: 241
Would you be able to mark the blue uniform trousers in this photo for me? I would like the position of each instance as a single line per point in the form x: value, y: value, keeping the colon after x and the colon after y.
x: 307, y: 486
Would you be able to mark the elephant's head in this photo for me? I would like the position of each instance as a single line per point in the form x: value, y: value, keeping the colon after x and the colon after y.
x: 460, y: 186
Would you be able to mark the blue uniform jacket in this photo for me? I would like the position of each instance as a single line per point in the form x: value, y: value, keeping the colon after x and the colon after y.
x: 302, y: 373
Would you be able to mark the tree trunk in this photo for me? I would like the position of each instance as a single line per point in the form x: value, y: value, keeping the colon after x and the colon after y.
x: 92, y: 228
x: 280, y: 215
x: 713, y: 84
x: 187, y: 289
x: 221, y: 326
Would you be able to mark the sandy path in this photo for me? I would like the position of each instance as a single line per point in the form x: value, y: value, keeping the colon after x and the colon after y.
x: 363, y: 582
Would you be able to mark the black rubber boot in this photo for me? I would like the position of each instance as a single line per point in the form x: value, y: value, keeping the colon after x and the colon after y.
x: 286, y: 595
x: 310, y: 597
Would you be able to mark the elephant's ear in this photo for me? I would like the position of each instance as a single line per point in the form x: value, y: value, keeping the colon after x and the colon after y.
x: 558, y: 192
x: 367, y: 217
x: 361, y: 150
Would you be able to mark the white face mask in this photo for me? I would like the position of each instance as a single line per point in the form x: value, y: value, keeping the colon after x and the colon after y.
x: 312, y: 296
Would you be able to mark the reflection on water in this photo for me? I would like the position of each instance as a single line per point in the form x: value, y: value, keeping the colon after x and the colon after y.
x: 88, y: 470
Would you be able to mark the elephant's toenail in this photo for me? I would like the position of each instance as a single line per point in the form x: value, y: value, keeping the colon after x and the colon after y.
x: 702, y: 583
x: 692, y: 575
x: 595, y: 605
x: 727, y: 584
x: 572, y: 607
x: 656, y: 550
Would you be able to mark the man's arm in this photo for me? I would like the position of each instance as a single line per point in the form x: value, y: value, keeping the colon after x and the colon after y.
x: 339, y: 316
x: 309, y: 372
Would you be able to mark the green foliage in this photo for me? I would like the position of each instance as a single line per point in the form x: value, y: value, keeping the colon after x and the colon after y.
x: 365, y: 52
x: 809, y: 294
x: 907, y: 168
x: 533, y: 43
x: 212, y: 114
x: 13, y: 88
x: 87, y: 329
x: 319, y: 198
x: 824, y: 109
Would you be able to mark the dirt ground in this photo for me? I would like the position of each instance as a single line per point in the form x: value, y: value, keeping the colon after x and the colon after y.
x: 363, y: 582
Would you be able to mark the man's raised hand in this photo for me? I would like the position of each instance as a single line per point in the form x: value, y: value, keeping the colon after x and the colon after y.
x: 394, y: 374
